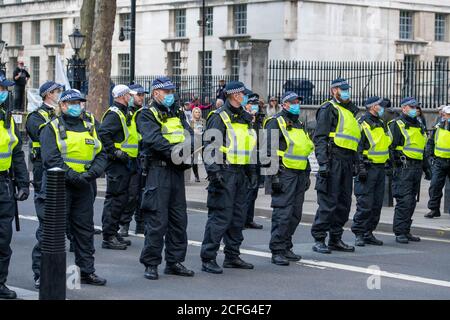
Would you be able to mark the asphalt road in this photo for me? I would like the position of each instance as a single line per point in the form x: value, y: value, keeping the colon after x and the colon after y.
x: 414, y: 271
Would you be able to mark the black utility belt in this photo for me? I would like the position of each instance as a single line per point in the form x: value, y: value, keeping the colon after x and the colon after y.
x: 158, y: 163
x: 377, y: 165
x: 408, y: 162
x: 443, y: 159
x: 4, y: 174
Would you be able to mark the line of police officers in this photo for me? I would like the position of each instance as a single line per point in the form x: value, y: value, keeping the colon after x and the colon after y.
x: 156, y: 143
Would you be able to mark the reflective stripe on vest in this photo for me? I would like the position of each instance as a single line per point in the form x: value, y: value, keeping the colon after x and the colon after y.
x: 379, y: 141
x: 130, y: 143
x: 172, y: 130
x: 8, y: 141
x: 415, y: 141
x: 299, y: 147
x: 44, y: 114
x: 347, y: 134
x: 442, y: 143
x: 241, y: 141
x: 79, y: 149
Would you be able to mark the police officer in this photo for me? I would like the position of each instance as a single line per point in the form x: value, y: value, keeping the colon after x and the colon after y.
x: 438, y: 147
x: 120, y: 139
x: 293, y: 177
x: 336, y: 140
x: 227, y: 179
x: 407, y: 148
x: 373, y: 157
x: 134, y: 188
x: 12, y: 162
x: 252, y: 193
x: 163, y: 127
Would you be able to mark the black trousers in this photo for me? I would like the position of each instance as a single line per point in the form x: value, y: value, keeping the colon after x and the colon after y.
x: 334, y: 197
x: 132, y: 207
x: 116, y: 197
x: 287, y: 209
x: 226, y: 215
x: 441, y: 171
x: 252, y: 195
x: 7, y: 207
x: 405, y: 186
x: 80, y: 227
x: 19, y: 95
x: 164, y: 209
x: 369, y: 200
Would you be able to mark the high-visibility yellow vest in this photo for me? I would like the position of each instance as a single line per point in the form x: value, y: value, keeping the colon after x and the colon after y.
x: 44, y: 114
x: 379, y: 141
x: 442, y: 143
x: 8, y: 141
x: 347, y: 134
x: 298, y: 146
x: 131, y: 137
x: 241, y: 141
x: 415, y: 141
x: 171, y: 128
x: 78, y: 149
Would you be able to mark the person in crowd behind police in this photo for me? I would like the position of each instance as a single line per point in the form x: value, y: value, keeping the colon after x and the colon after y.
x: 70, y: 143
x: 227, y: 171
x: 252, y: 193
x: 12, y: 163
x: 273, y: 107
x: 134, y: 188
x: 220, y: 92
x: 407, y: 153
x: 198, y: 125
x: 292, y: 180
x: 373, y: 157
x: 421, y: 118
x: 336, y: 139
x: 438, y: 148
x: 163, y: 127
x: 120, y: 139
x: 21, y: 77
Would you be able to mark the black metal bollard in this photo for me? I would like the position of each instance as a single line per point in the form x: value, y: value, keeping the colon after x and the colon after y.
x: 53, y: 246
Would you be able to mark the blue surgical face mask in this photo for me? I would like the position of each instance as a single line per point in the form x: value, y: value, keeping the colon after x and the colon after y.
x: 295, y: 109
x: 169, y: 99
x: 3, y: 96
x: 380, y: 112
x: 74, y: 110
x: 412, y: 113
x: 255, y: 107
x: 345, y: 95
x: 244, y: 101
x: 131, y: 102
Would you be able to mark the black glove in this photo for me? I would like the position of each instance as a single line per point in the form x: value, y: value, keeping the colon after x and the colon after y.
x: 89, y: 176
x: 427, y: 172
x: 23, y: 194
x: 308, y: 182
x: 216, y: 181
x: 277, y: 187
x: 362, y: 172
x: 324, y: 171
x: 122, y: 156
x: 77, y: 180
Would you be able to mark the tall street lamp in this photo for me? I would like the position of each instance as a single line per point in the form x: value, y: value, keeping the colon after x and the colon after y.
x: 203, y: 24
x: 132, y: 30
x: 76, y: 67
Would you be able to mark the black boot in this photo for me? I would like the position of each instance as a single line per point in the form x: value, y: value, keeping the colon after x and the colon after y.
x: 123, y: 241
x: 433, y: 214
x: 178, y: 269
x: 253, y: 225
x: 412, y: 238
x: 211, y: 266
x: 92, y: 279
x: 151, y: 273
x: 279, y: 260
x: 339, y: 245
x: 140, y: 228
x: 97, y: 231
x: 113, y: 243
x: 6, y: 293
x: 123, y: 231
x: 291, y: 256
x: 359, y: 241
x: 402, y: 239
x: 37, y: 282
x: 369, y: 238
x: 321, y: 247
x: 236, y: 263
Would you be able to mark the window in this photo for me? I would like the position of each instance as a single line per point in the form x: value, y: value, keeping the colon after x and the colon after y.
x: 208, y: 62
x: 124, y: 65
x: 35, y: 70
x: 175, y: 64
x: 18, y: 33
x: 440, y: 24
x: 409, y: 75
x: 209, y: 17
x: 406, y: 25
x: 125, y: 23
x: 441, y: 80
x: 58, y: 25
x: 36, y: 35
x: 180, y: 23
x: 233, y: 62
x: 51, y: 68
x: 240, y: 18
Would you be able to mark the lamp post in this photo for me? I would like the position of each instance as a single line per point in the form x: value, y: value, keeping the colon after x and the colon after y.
x: 2, y: 64
x: 76, y: 67
x: 132, y: 31
x: 203, y: 23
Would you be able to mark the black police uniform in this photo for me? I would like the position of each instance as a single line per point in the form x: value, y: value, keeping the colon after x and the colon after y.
x: 118, y: 173
x: 226, y: 205
x: 334, y: 194
x: 440, y: 169
x: 80, y: 196
x: 164, y: 198
x: 406, y: 178
x: 288, y: 204
x: 369, y: 193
